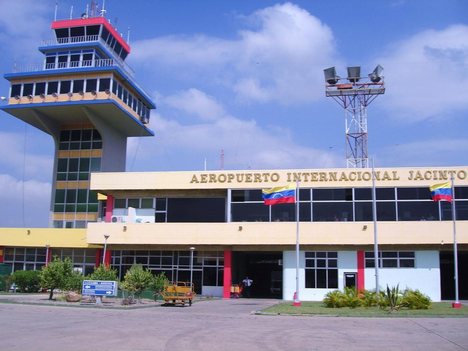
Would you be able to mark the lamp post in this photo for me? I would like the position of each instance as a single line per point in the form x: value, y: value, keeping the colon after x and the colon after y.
x: 106, y: 236
x: 191, y: 265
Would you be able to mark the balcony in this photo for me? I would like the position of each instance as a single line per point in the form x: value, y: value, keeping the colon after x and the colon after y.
x: 85, y: 64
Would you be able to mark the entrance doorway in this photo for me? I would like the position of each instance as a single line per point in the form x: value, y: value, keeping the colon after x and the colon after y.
x: 447, y: 274
x: 264, y: 268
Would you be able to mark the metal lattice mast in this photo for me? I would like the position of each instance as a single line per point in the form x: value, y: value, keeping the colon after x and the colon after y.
x: 354, y: 96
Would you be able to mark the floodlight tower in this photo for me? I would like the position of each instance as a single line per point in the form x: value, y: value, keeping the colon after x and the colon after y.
x: 354, y: 94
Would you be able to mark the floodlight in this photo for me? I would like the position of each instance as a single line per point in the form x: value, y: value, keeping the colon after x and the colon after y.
x: 376, y: 74
x: 354, y: 73
x: 330, y: 75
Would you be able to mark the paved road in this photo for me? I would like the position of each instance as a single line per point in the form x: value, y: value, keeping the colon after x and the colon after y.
x: 217, y: 325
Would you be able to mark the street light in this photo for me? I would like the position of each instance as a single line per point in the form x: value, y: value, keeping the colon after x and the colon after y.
x: 191, y: 265
x: 106, y: 236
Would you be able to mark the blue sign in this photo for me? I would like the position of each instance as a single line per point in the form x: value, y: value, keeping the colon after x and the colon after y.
x: 99, y: 287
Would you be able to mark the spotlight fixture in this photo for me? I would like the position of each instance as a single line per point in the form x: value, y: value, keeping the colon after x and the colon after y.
x: 354, y: 73
x: 330, y: 75
x: 376, y: 75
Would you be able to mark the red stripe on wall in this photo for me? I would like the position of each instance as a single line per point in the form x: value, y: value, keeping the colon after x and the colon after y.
x: 109, y: 208
x: 2, y: 250
x: 360, y: 268
x: 227, y: 278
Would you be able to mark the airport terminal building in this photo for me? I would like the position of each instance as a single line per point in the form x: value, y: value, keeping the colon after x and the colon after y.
x: 162, y: 219
x: 85, y: 96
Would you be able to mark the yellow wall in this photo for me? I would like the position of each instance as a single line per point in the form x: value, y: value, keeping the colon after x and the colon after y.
x: 40, y: 237
x: 250, y: 179
x: 277, y: 233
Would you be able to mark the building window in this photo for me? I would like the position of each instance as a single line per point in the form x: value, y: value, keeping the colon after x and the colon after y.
x: 391, y: 259
x: 321, y: 270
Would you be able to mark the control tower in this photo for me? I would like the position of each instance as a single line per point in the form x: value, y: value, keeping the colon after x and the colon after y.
x: 85, y: 96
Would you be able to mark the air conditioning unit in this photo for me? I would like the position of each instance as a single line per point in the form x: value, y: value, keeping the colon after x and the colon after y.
x: 116, y: 219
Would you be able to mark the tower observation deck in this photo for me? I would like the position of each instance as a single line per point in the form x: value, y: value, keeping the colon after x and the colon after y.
x: 84, y: 95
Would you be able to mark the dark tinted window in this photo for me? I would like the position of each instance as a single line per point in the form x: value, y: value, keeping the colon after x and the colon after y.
x: 78, y: 85
x: 28, y: 89
x: 91, y: 85
x: 77, y: 31
x: 332, y: 194
x: 52, y: 87
x: 61, y: 32
x: 250, y: 212
x: 92, y: 30
x: 418, y: 211
x: 40, y: 88
x: 104, y: 83
x: 196, y: 210
x: 414, y: 193
x: 246, y: 195
x: 15, y: 90
x: 65, y: 86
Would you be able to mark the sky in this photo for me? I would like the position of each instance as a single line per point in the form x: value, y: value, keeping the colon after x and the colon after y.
x: 244, y: 79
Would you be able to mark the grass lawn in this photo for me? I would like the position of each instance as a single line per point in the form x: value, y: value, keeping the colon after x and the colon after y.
x: 438, y: 309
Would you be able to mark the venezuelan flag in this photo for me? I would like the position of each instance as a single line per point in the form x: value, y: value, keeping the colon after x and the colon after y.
x: 441, y: 192
x: 280, y: 195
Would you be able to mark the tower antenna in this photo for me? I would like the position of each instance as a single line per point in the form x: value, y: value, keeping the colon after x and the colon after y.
x: 56, y: 9
x: 354, y: 94
x: 221, y: 159
x: 103, y: 9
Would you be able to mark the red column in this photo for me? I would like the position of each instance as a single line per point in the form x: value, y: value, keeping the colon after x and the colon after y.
x: 107, y: 259
x: 227, y: 279
x: 109, y: 208
x: 361, y: 265
x: 2, y: 253
x: 97, y: 262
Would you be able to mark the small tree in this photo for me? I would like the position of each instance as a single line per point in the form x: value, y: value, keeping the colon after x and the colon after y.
x: 27, y: 281
x: 137, y: 279
x: 104, y: 273
x: 158, y: 284
x: 55, y: 274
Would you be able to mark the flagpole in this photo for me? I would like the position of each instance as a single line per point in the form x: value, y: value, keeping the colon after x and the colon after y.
x: 376, y: 241
x: 297, y: 301
x: 457, y: 303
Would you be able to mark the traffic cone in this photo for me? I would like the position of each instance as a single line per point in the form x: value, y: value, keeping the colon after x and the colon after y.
x: 296, y: 302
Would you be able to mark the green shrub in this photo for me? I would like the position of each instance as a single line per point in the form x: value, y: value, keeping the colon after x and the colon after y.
x: 158, y: 283
x: 56, y: 274
x: 103, y: 272
x: 335, y: 299
x: 415, y: 300
x: 5, y: 282
x: 352, y: 299
x: 74, y: 282
x: 368, y: 298
x: 27, y: 281
x: 391, y: 298
x: 136, y: 280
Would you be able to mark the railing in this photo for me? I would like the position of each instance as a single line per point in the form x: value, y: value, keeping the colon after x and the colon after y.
x: 88, y: 39
x: 70, y: 40
x: 73, y: 64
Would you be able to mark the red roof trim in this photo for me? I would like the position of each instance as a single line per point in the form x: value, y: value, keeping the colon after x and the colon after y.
x: 78, y: 22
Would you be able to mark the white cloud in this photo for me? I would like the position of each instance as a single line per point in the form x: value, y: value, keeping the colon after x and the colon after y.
x: 244, y: 142
x: 20, y: 154
x: 427, y: 75
x: 24, y: 203
x: 23, y: 24
x: 195, y: 102
x: 281, y: 59
x: 425, y: 153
